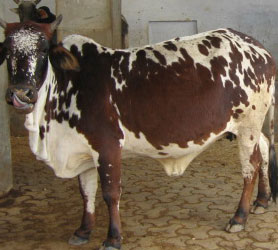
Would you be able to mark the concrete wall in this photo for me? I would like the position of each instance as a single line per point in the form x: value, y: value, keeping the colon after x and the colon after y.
x: 254, y: 17
x: 98, y: 19
x: 6, y: 179
x: 90, y: 18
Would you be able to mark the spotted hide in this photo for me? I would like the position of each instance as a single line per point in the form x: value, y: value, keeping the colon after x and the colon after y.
x: 87, y: 106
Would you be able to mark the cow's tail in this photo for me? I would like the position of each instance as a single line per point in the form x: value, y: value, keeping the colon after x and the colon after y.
x: 273, y: 171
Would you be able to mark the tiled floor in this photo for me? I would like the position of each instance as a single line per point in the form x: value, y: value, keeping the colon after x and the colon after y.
x: 158, y: 212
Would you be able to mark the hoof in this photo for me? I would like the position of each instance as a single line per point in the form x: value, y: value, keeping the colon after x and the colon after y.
x: 234, y: 228
x: 257, y: 210
x: 105, y: 246
x: 77, y: 241
x: 108, y: 248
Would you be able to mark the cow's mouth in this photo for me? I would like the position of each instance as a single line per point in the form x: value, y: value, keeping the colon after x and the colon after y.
x: 21, y: 105
x: 23, y: 99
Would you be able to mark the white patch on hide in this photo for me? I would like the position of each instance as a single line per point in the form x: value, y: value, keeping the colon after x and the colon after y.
x: 175, y: 160
x: 264, y: 148
x: 250, y: 125
x: 89, y: 184
x: 79, y: 41
x: 26, y: 41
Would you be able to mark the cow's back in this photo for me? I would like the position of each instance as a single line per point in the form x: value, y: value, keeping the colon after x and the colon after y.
x: 184, y: 90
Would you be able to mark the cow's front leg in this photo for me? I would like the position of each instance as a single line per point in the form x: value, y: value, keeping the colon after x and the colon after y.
x: 110, y: 177
x: 88, y: 187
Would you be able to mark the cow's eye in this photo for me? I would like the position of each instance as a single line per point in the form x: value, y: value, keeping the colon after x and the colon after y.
x: 8, y: 53
x: 45, y: 50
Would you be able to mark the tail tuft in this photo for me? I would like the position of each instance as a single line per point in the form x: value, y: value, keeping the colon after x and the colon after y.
x: 273, y: 173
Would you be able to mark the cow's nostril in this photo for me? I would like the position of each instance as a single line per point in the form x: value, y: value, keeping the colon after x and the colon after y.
x: 30, y: 94
x: 10, y: 94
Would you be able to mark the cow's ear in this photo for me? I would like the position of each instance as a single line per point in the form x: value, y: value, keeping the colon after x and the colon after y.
x: 61, y: 58
x: 2, y: 53
x: 42, y: 14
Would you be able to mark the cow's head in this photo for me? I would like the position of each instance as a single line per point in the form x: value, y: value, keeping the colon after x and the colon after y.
x: 26, y: 49
x: 26, y: 10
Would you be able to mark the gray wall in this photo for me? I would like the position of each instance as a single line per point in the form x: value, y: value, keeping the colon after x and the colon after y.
x: 98, y: 19
x: 254, y: 17
x: 6, y: 178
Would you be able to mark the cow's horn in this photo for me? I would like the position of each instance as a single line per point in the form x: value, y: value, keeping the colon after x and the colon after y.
x: 3, y: 24
x: 56, y: 23
x: 36, y: 1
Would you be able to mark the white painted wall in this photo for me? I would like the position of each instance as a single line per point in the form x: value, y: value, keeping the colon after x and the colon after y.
x: 258, y: 18
x: 164, y: 30
x: 86, y: 17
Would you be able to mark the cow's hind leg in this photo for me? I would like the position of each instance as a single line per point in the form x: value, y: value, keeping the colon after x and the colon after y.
x: 88, y: 187
x: 251, y: 159
x: 264, y: 194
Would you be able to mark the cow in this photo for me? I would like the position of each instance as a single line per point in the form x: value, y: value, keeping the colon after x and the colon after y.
x: 88, y: 106
x: 28, y: 11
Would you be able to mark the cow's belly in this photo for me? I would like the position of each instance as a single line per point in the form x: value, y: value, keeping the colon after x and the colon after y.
x: 174, y: 158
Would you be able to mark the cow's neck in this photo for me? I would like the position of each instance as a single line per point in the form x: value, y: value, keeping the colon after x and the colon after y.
x: 34, y: 119
x: 52, y: 119
x: 36, y: 122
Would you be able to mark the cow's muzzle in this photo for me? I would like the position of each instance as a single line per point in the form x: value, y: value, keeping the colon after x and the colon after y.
x: 23, y: 98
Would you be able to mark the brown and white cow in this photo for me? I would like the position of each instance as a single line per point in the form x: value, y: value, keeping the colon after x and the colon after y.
x: 87, y: 106
x: 27, y: 11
